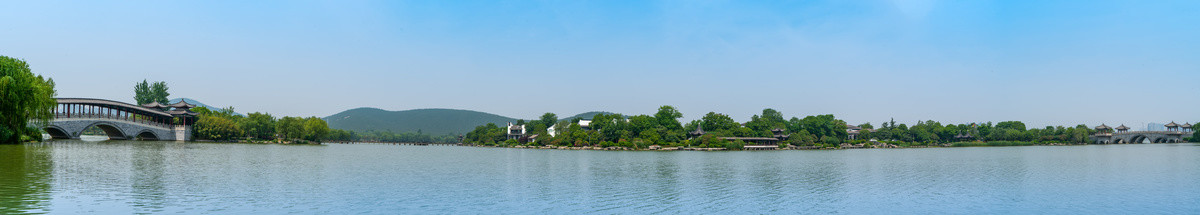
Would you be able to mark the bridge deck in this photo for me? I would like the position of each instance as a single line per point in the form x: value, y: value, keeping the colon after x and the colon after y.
x: 115, y: 105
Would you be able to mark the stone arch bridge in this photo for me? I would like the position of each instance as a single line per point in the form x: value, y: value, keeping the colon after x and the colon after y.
x: 121, y: 121
x: 1174, y: 134
x: 1143, y: 136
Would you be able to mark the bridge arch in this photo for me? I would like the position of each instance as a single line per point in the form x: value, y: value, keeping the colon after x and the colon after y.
x: 147, y: 134
x: 113, y: 132
x: 57, y: 132
x: 1137, y: 139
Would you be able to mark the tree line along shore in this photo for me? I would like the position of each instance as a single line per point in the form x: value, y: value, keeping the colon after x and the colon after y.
x: 715, y: 131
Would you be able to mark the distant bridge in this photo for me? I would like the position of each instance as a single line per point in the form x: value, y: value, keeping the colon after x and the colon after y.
x: 121, y: 121
x: 1174, y: 134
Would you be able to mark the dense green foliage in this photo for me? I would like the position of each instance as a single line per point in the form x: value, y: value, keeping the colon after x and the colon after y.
x: 225, y: 125
x: 216, y: 125
x: 489, y: 134
x: 290, y: 128
x: 146, y: 93
x: 259, y: 126
x: 663, y: 128
x: 1195, y: 135
x: 24, y: 99
x: 217, y: 128
x: 820, y: 131
x: 931, y: 132
x: 548, y: 119
x: 315, y: 129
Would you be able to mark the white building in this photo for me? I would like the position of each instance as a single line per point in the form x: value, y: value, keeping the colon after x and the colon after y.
x: 852, y: 131
x: 515, y: 131
x: 585, y: 124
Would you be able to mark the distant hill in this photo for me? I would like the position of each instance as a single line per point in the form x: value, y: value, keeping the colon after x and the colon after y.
x: 587, y: 115
x: 428, y: 121
x: 199, y: 104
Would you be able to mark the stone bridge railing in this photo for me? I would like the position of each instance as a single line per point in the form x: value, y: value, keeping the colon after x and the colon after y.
x: 114, y: 117
x: 1152, y: 132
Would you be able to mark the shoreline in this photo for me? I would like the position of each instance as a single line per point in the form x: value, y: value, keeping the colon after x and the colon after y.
x: 673, y: 148
x: 778, y: 149
x: 652, y: 148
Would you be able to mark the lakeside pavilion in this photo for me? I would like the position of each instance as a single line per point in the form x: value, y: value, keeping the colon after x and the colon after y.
x: 181, y: 111
x: 1172, y: 126
x: 762, y: 143
x: 1122, y: 129
x: 752, y: 143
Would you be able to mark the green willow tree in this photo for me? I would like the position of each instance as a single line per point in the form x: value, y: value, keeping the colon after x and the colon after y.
x: 146, y: 93
x: 25, y: 99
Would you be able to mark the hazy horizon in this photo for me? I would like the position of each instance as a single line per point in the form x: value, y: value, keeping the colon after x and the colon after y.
x: 1044, y: 63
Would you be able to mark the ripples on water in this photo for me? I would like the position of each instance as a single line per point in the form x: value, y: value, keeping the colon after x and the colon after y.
x: 82, y: 177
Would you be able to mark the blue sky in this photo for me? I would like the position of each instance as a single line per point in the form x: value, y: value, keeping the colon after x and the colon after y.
x: 1043, y: 62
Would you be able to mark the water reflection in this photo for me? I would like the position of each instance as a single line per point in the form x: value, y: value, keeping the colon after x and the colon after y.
x: 766, y: 176
x: 149, y: 193
x: 822, y: 184
x: 668, y: 190
x: 128, y: 177
x: 25, y: 178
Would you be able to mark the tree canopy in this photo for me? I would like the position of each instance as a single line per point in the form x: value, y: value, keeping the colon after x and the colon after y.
x: 146, y: 93
x: 927, y: 132
x: 664, y: 128
x: 24, y: 98
x: 549, y: 119
x: 226, y: 125
x: 259, y: 125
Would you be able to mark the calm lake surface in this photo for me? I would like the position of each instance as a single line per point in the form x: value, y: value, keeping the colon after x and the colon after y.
x: 121, y: 177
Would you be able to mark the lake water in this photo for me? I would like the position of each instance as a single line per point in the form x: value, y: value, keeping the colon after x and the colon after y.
x: 121, y: 177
